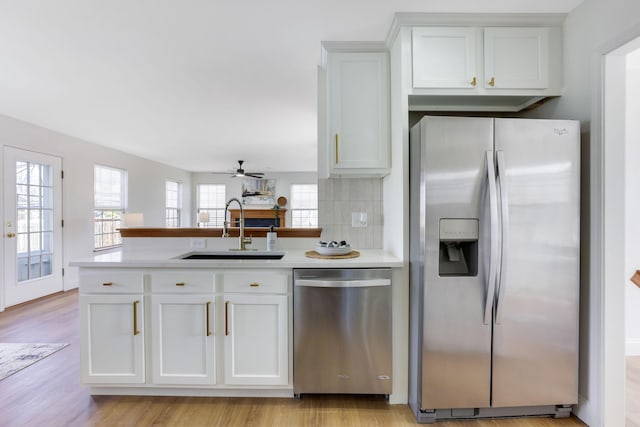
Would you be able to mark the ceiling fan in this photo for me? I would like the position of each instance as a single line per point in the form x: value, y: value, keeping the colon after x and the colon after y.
x: 241, y: 173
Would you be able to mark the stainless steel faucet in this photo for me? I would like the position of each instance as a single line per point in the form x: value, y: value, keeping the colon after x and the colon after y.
x: 243, y: 241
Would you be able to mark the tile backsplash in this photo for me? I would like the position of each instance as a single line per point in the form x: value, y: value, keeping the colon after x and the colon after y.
x: 338, y: 198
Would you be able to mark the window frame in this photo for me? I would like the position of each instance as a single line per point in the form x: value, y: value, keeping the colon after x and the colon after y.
x: 310, y: 213
x: 112, y: 212
x: 177, y: 211
x: 216, y: 214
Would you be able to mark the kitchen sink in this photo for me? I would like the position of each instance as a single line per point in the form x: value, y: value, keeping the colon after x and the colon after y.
x: 234, y: 254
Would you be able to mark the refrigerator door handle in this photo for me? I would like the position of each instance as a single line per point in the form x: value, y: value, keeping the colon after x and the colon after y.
x: 504, y: 214
x: 493, y: 254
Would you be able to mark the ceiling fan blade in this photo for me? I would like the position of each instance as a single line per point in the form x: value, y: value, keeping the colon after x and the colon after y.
x: 254, y: 174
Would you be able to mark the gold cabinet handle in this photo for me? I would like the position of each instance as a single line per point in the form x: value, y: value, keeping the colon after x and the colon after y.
x: 207, y: 312
x: 337, y: 158
x: 11, y: 234
x: 226, y: 318
x: 473, y: 82
x: 107, y: 284
x: 180, y: 284
x: 135, y: 317
x: 254, y: 284
x: 492, y: 82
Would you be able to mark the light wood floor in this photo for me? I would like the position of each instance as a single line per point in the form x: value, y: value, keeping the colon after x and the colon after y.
x: 633, y: 391
x: 48, y: 393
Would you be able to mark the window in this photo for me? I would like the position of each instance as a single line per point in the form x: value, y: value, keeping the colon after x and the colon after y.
x: 304, y: 205
x: 211, y: 200
x: 109, y: 192
x: 173, y: 196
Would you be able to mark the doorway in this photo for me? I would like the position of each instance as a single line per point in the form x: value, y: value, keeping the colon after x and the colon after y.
x: 32, y: 225
x: 617, y: 191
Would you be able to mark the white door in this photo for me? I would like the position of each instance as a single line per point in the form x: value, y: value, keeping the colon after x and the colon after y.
x: 358, y: 88
x: 516, y: 58
x: 445, y: 57
x: 112, y: 339
x: 32, y: 225
x: 255, y: 341
x: 183, y: 339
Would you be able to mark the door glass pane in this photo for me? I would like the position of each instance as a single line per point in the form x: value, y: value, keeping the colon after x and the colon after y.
x: 34, y: 220
x: 21, y: 173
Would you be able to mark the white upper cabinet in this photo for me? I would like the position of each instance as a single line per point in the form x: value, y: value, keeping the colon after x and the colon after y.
x: 356, y: 142
x: 516, y: 58
x: 484, y: 68
x: 445, y: 57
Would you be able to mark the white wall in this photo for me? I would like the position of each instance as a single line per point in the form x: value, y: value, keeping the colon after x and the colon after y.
x: 591, y: 30
x: 146, y: 192
x: 234, y: 187
x: 632, y: 209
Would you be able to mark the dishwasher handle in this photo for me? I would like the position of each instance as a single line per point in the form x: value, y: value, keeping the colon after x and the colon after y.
x: 337, y: 283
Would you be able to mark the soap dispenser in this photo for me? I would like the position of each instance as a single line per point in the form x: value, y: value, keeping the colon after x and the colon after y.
x: 271, y: 239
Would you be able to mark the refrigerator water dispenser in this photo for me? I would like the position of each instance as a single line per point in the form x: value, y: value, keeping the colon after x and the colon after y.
x: 458, y: 247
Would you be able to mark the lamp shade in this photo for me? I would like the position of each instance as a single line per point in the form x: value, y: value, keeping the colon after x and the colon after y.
x: 133, y: 219
x: 203, y: 216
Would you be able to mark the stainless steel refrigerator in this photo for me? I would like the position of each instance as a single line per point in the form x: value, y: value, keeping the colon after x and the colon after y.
x: 495, y: 242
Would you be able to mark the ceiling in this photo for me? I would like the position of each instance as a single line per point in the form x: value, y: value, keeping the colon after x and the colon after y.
x: 196, y: 84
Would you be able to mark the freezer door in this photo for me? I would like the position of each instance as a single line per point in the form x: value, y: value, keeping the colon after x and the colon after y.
x: 456, y: 344
x: 535, y: 353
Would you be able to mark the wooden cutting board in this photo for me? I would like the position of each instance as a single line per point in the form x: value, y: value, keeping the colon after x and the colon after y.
x: 314, y: 254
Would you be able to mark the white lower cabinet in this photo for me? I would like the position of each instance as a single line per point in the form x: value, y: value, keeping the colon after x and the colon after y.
x: 160, y: 331
x: 255, y: 342
x: 182, y: 339
x: 112, y: 339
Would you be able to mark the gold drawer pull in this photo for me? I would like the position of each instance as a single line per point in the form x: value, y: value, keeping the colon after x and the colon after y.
x: 107, y: 284
x: 208, y: 327
x: 180, y: 284
x: 473, y: 82
x: 135, y: 318
x: 226, y: 318
x: 254, y: 284
x: 492, y: 82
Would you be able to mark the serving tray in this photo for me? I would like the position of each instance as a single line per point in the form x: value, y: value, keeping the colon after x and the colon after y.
x: 314, y: 254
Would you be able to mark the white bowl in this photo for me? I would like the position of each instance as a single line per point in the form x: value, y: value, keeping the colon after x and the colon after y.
x: 324, y: 250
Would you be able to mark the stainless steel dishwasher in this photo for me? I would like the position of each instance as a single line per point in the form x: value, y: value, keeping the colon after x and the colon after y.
x: 342, y: 331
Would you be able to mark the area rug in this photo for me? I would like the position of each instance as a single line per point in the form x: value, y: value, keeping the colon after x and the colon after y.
x: 17, y: 356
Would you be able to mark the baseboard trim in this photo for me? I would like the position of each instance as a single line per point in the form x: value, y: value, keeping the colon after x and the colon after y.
x: 583, y: 410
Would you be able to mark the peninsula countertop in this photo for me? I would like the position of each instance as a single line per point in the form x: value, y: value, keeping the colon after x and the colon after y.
x: 293, y: 258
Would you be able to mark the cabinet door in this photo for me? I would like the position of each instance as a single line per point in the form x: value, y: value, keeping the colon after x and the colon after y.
x: 183, y: 339
x: 444, y: 57
x: 112, y: 339
x: 256, y: 345
x: 516, y: 58
x: 358, y: 92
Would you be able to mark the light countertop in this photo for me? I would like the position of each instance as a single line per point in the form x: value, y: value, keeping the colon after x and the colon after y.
x: 294, y: 258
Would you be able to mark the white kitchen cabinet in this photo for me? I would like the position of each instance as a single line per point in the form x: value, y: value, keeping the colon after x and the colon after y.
x: 256, y: 350
x: 112, y: 338
x: 445, y: 57
x: 516, y: 58
x: 112, y: 333
x: 182, y: 339
x: 510, y: 67
x: 357, y: 117
x: 204, y: 331
x: 183, y: 327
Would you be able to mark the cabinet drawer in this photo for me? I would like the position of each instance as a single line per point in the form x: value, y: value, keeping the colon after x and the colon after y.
x: 110, y: 281
x: 256, y: 282
x: 182, y: 281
